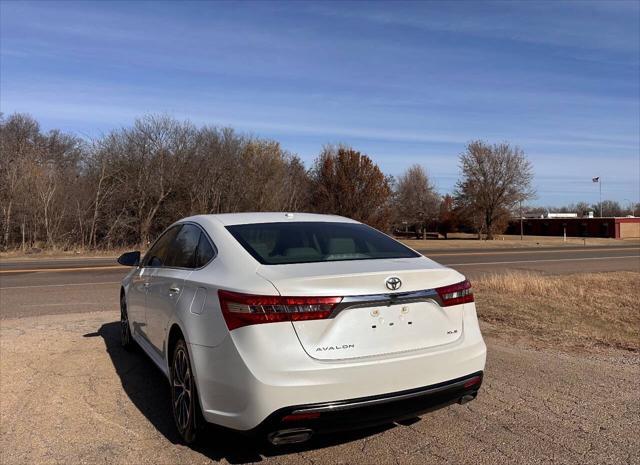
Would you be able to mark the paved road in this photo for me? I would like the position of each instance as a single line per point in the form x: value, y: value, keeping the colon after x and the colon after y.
x: 549, y: 260
x: 55, y: 286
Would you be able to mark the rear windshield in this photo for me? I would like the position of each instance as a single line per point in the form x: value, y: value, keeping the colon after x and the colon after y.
x: 308, y: 242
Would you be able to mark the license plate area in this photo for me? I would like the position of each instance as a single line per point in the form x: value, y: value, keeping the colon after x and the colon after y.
x: 399, y: 315
x: 380, y: 330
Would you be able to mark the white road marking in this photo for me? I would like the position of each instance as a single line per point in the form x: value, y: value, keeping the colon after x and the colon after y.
x: 59, y: 285
x: 543, y: 260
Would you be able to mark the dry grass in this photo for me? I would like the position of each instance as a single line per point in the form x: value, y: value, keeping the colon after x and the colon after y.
x: 586, y: 310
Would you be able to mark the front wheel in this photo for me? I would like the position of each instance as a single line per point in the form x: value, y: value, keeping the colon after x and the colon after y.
x: 125, y: 330
x: 184, y: 399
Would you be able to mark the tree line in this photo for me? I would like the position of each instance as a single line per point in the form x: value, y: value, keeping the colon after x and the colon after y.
x: 607, y: 207
x: 58, y: 190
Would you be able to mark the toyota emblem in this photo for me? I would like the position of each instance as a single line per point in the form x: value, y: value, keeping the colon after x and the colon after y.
x: 393, y: 283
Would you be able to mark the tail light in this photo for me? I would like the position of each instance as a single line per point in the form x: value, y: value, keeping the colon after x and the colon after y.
x: 301, y: 416
x: 243, y: 309
x: 455, y: 294
x: 472, y: 382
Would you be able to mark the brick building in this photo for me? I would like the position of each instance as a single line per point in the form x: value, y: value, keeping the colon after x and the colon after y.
x: 617, y: 228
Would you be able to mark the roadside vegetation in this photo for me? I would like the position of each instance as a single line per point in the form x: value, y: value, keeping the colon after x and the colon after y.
x: 585, y: 310
x: 62, y: 192
x: 495, y: 180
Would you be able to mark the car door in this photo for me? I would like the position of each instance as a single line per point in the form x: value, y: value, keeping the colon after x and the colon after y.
x: 166, y: 287
x: 136, y: 299
x: 138, y: 295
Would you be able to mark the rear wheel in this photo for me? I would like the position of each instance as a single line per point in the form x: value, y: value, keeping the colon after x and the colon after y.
x: 184, y: 399
x: 125, y: 331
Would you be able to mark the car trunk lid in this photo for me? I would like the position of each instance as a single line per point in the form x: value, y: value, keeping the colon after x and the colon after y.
x: 373, y: 319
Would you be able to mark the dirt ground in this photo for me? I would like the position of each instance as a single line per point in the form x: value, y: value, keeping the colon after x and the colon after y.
x: 71, y: 395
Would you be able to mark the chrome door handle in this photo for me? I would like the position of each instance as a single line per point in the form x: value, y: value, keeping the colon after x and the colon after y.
x: 173, y: 290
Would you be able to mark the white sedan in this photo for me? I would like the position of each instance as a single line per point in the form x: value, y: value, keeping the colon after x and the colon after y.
x: 287, y: 325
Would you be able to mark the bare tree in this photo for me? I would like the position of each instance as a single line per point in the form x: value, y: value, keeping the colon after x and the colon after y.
x: 214, y: 163
x: 581, y: 208
x: 264, y: 169
x: 149, y: 160
x: 416, y: 200
x: 346, y: 182
x: 39, y: 176
x: 230, y: 172
x: 609, y: 208
x: 447, y: 216
x: 494, y: 179
x: 19, y: 135
x: 297, y: 185
x: 123, y: 188
x: 100, y: 183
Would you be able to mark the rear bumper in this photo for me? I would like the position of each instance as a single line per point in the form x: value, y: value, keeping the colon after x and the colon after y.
x: 261, y: 370
x: 329, y: 417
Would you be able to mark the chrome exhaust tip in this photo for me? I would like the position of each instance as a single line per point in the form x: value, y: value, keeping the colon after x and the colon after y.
x: 289, y: 436
x: 466, y: 398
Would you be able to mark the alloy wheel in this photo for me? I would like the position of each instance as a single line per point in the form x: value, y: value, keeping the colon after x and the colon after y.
x: 182, y: 390
x: 125, y: 332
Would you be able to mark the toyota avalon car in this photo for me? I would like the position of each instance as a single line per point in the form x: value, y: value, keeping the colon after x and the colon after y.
x: 285, y: 325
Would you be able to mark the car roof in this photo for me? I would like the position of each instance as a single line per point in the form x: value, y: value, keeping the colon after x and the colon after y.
x: 228, y: 219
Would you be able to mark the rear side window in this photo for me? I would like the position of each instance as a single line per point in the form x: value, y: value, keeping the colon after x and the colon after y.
x: 308, y: 242
x: 182, y: 253
x: 205, y: 251
x: 157, y: 255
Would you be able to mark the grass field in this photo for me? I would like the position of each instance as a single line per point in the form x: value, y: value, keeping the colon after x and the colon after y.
x: 588, y: 310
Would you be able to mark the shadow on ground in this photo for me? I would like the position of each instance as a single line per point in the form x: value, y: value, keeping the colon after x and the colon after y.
x: 149, y: 391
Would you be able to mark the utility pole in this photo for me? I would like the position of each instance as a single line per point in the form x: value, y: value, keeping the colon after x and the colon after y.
x: 600, y: 185
x: 597, y: 179
x: 521, y: 227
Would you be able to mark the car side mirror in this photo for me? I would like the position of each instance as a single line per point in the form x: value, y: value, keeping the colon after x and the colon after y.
x: 130, y: 258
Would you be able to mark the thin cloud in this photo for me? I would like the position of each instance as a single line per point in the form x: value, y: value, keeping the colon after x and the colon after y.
x: 404, y: 82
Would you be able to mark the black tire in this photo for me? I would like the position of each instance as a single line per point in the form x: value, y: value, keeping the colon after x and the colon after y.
x: 184, y: 397
x: 125, y: 330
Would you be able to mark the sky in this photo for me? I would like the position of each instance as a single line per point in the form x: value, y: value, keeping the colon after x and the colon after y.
x: 405, y: 83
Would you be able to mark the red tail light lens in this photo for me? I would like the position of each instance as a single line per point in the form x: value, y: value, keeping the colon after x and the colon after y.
x: 455, y: 294
x: 301, y: 416
x: 472, y: 382
x: 243, y: 309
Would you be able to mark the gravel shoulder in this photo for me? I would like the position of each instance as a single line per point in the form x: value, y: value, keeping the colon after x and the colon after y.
x: 70, y: 394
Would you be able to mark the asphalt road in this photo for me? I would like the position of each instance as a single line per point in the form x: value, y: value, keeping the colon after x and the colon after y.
x: 31, y: 287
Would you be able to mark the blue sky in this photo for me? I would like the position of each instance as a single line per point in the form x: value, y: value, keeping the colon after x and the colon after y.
x: 403, y: 82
